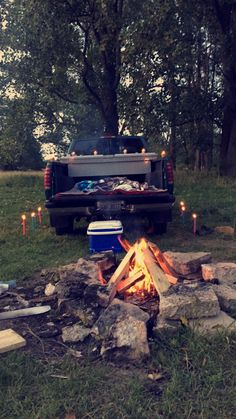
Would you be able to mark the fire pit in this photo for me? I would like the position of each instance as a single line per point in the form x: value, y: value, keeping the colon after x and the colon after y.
x: 120, y: 307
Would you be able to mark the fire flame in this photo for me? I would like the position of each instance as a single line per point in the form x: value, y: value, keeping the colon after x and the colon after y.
x: 137, y: 265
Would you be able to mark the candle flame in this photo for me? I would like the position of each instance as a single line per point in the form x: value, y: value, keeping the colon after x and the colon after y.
x: 182, y: 204
x: 163, y: 154
x: 183, y: 208
x: 39, y: 209
x: 194, y: 215
x: 143, y: 150
x: 23, y: 217
x: 32, y: 214
x: 125, y: 151
x: 95, y: 152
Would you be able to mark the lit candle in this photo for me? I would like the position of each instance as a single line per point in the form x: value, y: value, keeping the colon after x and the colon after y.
x: 163, y: 154
x: 23, y: 223
x: 95, y: 153
x: 33, y: 220
x: 143, y: 150
x: 183, y: 209
x: 125, y: 151
x: 40, y: 215
x: 182, y: 204
x: 194, y: 216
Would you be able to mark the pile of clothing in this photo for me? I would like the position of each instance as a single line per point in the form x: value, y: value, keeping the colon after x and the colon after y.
x: 111, y: 184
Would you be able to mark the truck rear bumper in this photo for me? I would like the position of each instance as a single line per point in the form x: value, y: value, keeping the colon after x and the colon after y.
x: 90, y: 206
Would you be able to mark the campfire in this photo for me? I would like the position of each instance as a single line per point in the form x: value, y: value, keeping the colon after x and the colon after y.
x: 143, y: 270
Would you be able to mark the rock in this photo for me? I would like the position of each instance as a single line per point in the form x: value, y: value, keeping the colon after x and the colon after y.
x: 87, y: 315
x: 75, y: 333
x: 164, y: 326
x: 227, y: 298
x: 105, y: 260
x: 38, y: 289
x: 69, y: 267
x: 49, y: 289
x: 187, y: 263
x: 89, y: 268
x: 122, y: 329
x: 220, y: 323
x: 225, y: 272
x: 225, y: 230
x: 72, y: 285
x: 183, y: 301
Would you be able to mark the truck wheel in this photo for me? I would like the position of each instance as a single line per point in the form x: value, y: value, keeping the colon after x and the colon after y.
x: 63, y: 225
x: 160, y: 228
x: 156, y: 228
x: 62, y: 230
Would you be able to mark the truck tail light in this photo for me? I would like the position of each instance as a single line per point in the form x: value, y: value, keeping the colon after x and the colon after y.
x: 48, y: 178
x: 169, y: 173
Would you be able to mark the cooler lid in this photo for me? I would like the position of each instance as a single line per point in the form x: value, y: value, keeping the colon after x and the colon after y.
x: 105, y: 227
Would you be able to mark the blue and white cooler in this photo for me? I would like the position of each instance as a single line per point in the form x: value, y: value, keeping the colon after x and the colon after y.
x: 103, y: 235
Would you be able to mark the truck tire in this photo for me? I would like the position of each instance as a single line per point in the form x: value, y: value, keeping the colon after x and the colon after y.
x: 160, y: 228
x: 62, y: 225
x: 155, y: 227
x: 60, y: 231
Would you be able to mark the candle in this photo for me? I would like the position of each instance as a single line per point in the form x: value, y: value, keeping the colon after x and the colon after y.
x: 183, y: 209
x: 194, y: 216
x: 33, y: 220
x: 23, y: 223
x: 182, y: 204
x: 95, y: 153
x: 40, y: 215
x: 163, y: 154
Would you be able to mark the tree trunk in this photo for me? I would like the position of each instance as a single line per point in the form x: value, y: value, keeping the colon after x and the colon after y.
x: 109, y: 100
x: 226, y: 15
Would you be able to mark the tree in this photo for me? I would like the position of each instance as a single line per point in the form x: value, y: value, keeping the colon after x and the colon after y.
x: 18, y: 147
x: 67, y: 42
x: 225, y: 12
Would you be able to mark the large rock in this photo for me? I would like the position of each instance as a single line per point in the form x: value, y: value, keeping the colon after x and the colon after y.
x: 187, y: 263
x: 227, y: 298
x: 75, y: 333
x: 225, y: 272
x: 212, y: 325
x: 183, y: 301
x: 72, y: 285
x: 122, y: 329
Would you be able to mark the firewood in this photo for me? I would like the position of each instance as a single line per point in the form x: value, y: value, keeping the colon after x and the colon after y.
x: 172, y: 280
x: 10, y: 340
x: 125, y: 244
x: 162, y: 260
x: 159, y: 278
x: 128, y: 282
x: 122, y: 268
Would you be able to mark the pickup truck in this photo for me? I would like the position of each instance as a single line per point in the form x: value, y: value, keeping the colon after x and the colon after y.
x: 109, y: 178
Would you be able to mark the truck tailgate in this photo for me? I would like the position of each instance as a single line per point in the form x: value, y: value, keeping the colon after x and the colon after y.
x: 131, y: 198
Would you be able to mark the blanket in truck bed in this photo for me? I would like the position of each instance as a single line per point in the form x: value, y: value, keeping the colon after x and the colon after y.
x: 110, y: 185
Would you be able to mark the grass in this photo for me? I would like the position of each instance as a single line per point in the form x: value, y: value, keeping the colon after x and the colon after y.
x: 199, y: 375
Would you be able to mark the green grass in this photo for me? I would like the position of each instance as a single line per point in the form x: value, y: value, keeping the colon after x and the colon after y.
x: 199, y: 375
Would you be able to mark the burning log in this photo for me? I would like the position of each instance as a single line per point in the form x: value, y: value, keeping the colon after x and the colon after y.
x: 120, y: 272
x: 122, y: 268
x: 128, y: 282
x: 159, y: 278
x: 162, y: 261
